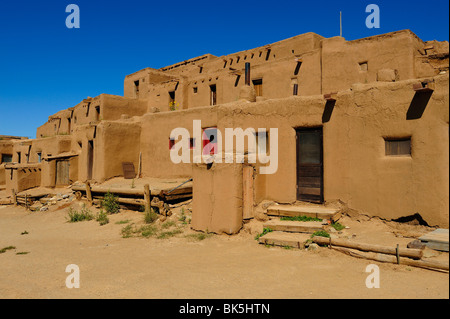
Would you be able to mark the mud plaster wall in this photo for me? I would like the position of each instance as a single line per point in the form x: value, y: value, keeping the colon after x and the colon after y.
x: 217, y: 204
x: 22, y: 178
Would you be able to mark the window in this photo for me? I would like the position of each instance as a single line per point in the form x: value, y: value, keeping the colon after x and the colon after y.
x: 213, y: 94
x: 136, y: 89
x: 257, y: 84
x: 39, y: 154
x: 363, y: 66
x: 192, y: 143
x: 97, y: 113
x: 195, y: 90
x: 6, y: 158
x: 171, y: 143
x: 19, y: 155
x: 209, y: 141
x: 398, y: 147
x: 171, y: 97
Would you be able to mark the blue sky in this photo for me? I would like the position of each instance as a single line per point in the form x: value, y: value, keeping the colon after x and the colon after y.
x: 46, y: 67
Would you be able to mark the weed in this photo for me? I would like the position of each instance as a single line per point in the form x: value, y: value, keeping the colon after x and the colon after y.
x: 265, y: 231
x: 150, y: 216
x: 102, y: 218
x: 337, y: 226
x: 168, y: 224
x: 110, y: 203
x: 24, y: 233
x: 287, y: 247
x: 127, y: 231
x: 120, y: 222
x: 301, y: 218
x: 199, y: 236
x: 4, y: 250
x: 75, y: 216
x: 182, y: 217
x: 168, y: 234
x: 147, y: 231
x: 321, y: 233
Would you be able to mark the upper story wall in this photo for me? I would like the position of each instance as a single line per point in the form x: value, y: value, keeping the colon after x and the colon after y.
x: 315, y: 65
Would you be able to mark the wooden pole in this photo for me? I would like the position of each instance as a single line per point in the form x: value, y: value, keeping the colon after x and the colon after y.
x: 404, y: 252
x: 147, y: 197
x: 88, y: 192
x: 427, y: 264
x: 14, y: 197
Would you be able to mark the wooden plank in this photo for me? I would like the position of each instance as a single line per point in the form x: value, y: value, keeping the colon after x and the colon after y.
x: 314, y: 182
x: 437, y: 239
x: 128, y: 170
x: 147, y: 197
x: 88, y: 191
x: 309, y: 171
x: 247, y: 189
x: 310, y: 191
x: 310, y: 211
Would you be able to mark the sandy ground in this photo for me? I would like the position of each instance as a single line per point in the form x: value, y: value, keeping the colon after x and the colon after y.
x: 219, y: 266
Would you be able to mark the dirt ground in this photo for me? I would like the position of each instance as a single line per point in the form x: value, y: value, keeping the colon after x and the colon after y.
x: 182, y: 266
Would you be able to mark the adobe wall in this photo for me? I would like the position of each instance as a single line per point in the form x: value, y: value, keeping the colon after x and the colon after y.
x: 356, y: 169
x: 20, y: 177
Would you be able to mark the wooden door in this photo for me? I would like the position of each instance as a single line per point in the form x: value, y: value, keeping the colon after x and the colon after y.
x: 62, y: 172
x: 310, y: 165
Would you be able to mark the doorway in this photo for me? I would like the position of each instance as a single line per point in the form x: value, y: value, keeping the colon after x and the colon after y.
x: 90, y: 159
x: 62, y: 172
x: 310, y: 164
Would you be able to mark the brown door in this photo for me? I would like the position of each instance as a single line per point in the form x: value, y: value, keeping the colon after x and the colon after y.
x: 310, y: 165
x: 62, y: 172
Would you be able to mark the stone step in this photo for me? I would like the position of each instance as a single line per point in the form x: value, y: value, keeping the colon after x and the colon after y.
x: 310, y: 211
x: 437, y: 239
x: 294, y: 226
x: 277, y: 238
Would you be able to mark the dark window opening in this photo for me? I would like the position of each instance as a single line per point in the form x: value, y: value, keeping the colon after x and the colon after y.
x: 268, y: 54
x: 398, y: 147
x: 213, y: 94
x: 171, y: 143
x: 191, y: 143
x: 97, y: 113
x: 297, y: 68
x: 195, y: 89
x: 363, y: 66
x: 19, y: 157
x: 136, y: 88
x: 6, y: 158
x: 39, y: 154
x: 172, y: 96
x: 238, y: 77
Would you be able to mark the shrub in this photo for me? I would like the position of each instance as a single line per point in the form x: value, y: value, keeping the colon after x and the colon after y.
x: 102, y: 218
x: 110, y: 203
x: 321, y: 233
x: 75, y: 216
x: 337, y: 226
x: 150, y: 216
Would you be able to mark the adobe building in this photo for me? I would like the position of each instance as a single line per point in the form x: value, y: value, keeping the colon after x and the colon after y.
x: 364, y: 122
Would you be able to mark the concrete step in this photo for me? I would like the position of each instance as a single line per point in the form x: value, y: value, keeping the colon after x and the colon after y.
x: 321, y: 212
x: 277, y: 238
x: 294, y: 226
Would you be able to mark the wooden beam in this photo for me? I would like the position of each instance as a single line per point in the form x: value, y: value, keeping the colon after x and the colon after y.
x: 147, y: 197
x: 88, y: 192
x: 404, y: 252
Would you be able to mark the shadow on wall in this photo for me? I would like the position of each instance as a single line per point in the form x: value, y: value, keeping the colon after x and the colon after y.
x: 418, y: 105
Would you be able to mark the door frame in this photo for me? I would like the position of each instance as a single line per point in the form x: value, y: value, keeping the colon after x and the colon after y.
x: 309, y: 129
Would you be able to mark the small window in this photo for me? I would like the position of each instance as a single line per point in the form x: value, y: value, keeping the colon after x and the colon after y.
x: 398, y: 147
x: 171, y: 97
x: 19, y: 157
x: 192, y: 143
x: 363, y: 66
x: 136, y: 88
x: 39, y: 154
x: 209, y: 141
x: 6, y: 158
x: 171, y: 143
x: 195, y: 90
x: 213, y: 94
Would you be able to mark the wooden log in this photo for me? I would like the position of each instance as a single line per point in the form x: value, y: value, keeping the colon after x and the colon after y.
x: 147, y: 197
x: 121, y: 200
x: 14, y: 198
x: 427, y: 264
x: 88, y: 192
x: 404, y: 252
x: 129, y: 192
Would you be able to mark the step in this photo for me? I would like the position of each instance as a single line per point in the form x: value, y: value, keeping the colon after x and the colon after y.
x: 310, y: 211
x: 437, y: 239
x: 294, y: 226
x: 277, y: 238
